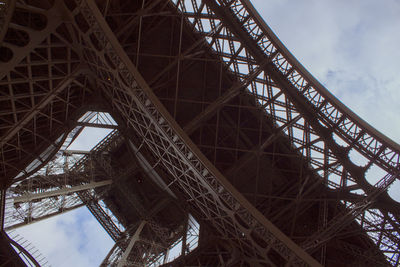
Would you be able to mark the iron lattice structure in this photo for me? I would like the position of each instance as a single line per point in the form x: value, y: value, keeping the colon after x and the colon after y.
x: 216, y: 126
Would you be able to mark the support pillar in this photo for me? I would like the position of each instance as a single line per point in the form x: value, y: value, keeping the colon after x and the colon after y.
x: 132, y: 242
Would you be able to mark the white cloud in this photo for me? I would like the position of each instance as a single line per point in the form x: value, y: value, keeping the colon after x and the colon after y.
x: 74, y: 238
x: 352, y: 48
x: 349, y: 46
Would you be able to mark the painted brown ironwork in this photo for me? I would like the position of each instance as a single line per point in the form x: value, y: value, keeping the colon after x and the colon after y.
x: 226, y: 157
x: 327, y: 129
x: 141, y: 110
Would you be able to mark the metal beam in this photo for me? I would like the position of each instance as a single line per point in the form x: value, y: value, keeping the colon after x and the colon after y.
x: 62, y: 191
x: 136, y: 102
x: 97, y: 125
x: 222, y: 100
x: 50, y: 96
x: 2, y: 208
x: 150, y: 170
x: 212, y: 109
x: 76, y: 152
x: 44, y: 217
x: 259, y: 148
x: 134, y: 239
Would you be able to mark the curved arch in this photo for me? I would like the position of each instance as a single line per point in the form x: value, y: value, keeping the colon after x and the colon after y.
x: 24, y: 251
x: 336, y: 103
x: 50, y: 155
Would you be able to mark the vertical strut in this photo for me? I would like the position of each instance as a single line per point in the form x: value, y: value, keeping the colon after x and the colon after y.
x: 132, y: 242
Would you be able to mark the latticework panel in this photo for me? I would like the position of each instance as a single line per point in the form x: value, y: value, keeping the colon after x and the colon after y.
x: 339, y: 146
x: 42, y: 87
x: 231, y: 123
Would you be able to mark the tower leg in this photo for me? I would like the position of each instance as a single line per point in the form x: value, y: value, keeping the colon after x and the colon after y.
x: 132, y: 242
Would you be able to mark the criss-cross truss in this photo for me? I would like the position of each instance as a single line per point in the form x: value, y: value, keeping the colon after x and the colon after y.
x: 214, y: 111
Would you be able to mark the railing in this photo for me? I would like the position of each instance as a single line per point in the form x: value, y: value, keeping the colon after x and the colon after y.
x: 27, y: 251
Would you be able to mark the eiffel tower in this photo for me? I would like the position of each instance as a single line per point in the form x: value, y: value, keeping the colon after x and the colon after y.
x: 222, y: 148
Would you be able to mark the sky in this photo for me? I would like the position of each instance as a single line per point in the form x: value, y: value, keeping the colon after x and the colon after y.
x: 350, y: 46
x: 74, y: 238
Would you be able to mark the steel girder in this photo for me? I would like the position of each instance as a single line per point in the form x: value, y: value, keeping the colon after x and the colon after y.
x: 8, y: 255
x: 319, y: 127
x: 42, y: 86
x: 65, y: 185
x: 308, y: 135
x: 204, y: 186
x: 339, y: 145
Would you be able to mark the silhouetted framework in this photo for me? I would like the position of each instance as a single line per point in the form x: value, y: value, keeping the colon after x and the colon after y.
x: 224, y: 150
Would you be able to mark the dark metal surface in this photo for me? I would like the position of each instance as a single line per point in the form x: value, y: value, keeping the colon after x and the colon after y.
x: 215, y: 114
